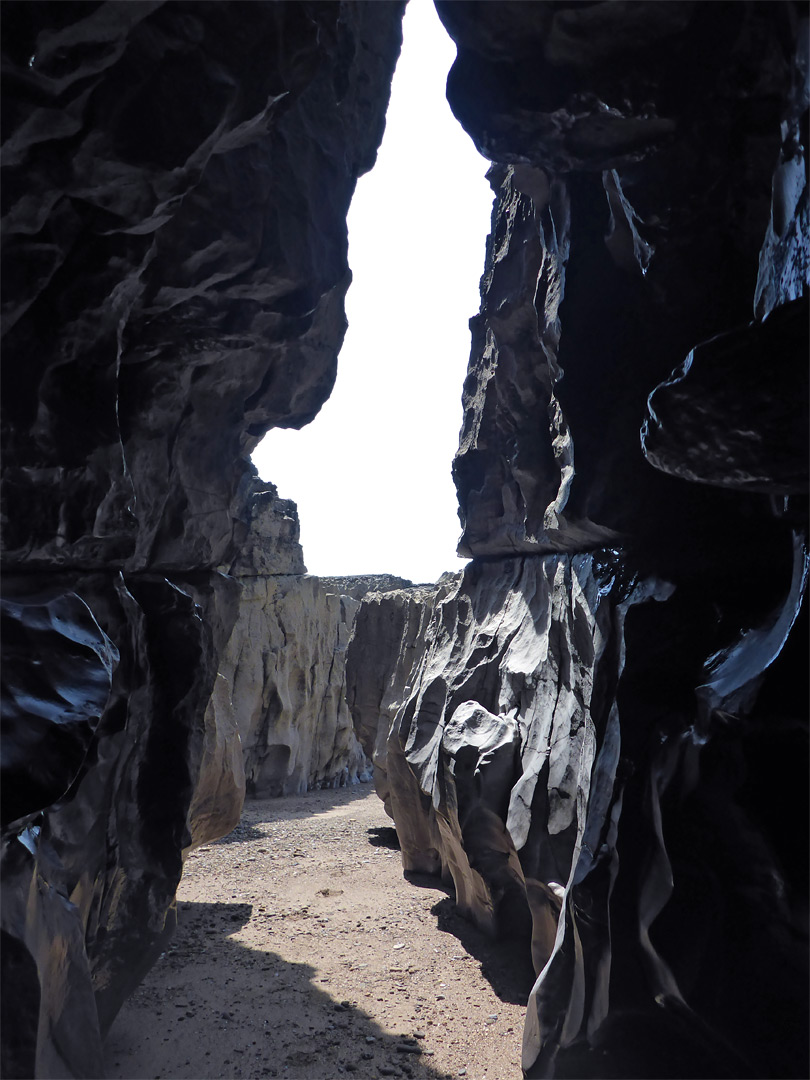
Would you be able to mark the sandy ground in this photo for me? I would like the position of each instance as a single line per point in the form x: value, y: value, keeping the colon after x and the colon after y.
x: 303, y: 952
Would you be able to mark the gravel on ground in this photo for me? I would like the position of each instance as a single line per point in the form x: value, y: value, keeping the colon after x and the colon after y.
x: 303, y: 952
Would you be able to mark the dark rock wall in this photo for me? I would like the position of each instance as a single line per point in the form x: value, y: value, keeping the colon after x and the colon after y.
x: 601, y: 736
x: 176, y: 178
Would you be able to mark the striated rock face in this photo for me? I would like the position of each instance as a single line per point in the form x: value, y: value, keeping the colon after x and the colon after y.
x: 284, y: 667
x: 601, y: 735
x: 175, y: 185
x: 279, y: 679
x: 391, y: 632
x: 488, y: 748
x: 280, y: 684
x: 284, y: 675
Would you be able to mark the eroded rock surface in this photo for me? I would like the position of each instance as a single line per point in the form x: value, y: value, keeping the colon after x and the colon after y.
x: 603, y: 714
x: 599, y: 731
x: 284, y: 667
x: 175, y: 185
x: 281, y: 679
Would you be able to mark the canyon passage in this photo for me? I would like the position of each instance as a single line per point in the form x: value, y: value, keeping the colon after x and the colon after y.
x: 300, y: 952
x: 595, y: 734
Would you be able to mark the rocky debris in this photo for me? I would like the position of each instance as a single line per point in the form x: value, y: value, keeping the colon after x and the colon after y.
x: 360, y: 585
x: 175, y: 186
x: 582, y: 730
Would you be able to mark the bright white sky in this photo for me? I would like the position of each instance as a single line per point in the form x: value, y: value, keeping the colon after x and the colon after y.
x: 371, y: 474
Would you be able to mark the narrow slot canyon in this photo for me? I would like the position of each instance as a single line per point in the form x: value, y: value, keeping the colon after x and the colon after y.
x: 545, y: 815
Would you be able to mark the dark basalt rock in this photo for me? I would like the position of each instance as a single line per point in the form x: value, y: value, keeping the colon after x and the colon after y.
x: 599, y: 730
x: 580, y: 740
x: 640, y: 249
x: 51, y: 706
x: 718, y: 421
x: 176, y: 186
x: 176, y: 178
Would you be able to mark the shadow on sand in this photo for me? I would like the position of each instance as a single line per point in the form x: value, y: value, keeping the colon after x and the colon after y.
x: 214, y: 1008
x: 505, y: 962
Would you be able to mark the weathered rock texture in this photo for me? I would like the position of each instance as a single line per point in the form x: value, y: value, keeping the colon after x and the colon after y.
x: 602, y: 736
x: 176, y: 178
x: 284, y: 665
x: 282, y: 672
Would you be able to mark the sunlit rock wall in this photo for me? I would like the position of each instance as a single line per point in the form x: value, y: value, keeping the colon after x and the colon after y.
x: 602, y: 738
x: 175, y: 185
x: 282, y: 672
x: 391, y: 632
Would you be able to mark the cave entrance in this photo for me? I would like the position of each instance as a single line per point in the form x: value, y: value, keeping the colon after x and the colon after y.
x: 371, y: 474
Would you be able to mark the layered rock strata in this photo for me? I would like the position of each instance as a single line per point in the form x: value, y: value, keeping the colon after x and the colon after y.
x: 175, y: 185
x: 602, y: 739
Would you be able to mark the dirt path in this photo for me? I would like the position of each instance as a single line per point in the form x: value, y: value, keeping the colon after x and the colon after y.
x: 302, y: 952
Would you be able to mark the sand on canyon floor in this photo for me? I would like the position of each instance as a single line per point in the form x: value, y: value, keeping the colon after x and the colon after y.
x: 303, y: 952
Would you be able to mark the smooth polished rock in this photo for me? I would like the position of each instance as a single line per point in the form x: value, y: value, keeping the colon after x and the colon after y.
x: 649, y: 252
x: 57, y: 675
x: 508, y: 711
x: 390, y: 636
x: 93, y: 873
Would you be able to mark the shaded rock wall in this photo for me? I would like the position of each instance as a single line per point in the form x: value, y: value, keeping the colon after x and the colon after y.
x: 602, y: 737
x: 176, y: 178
